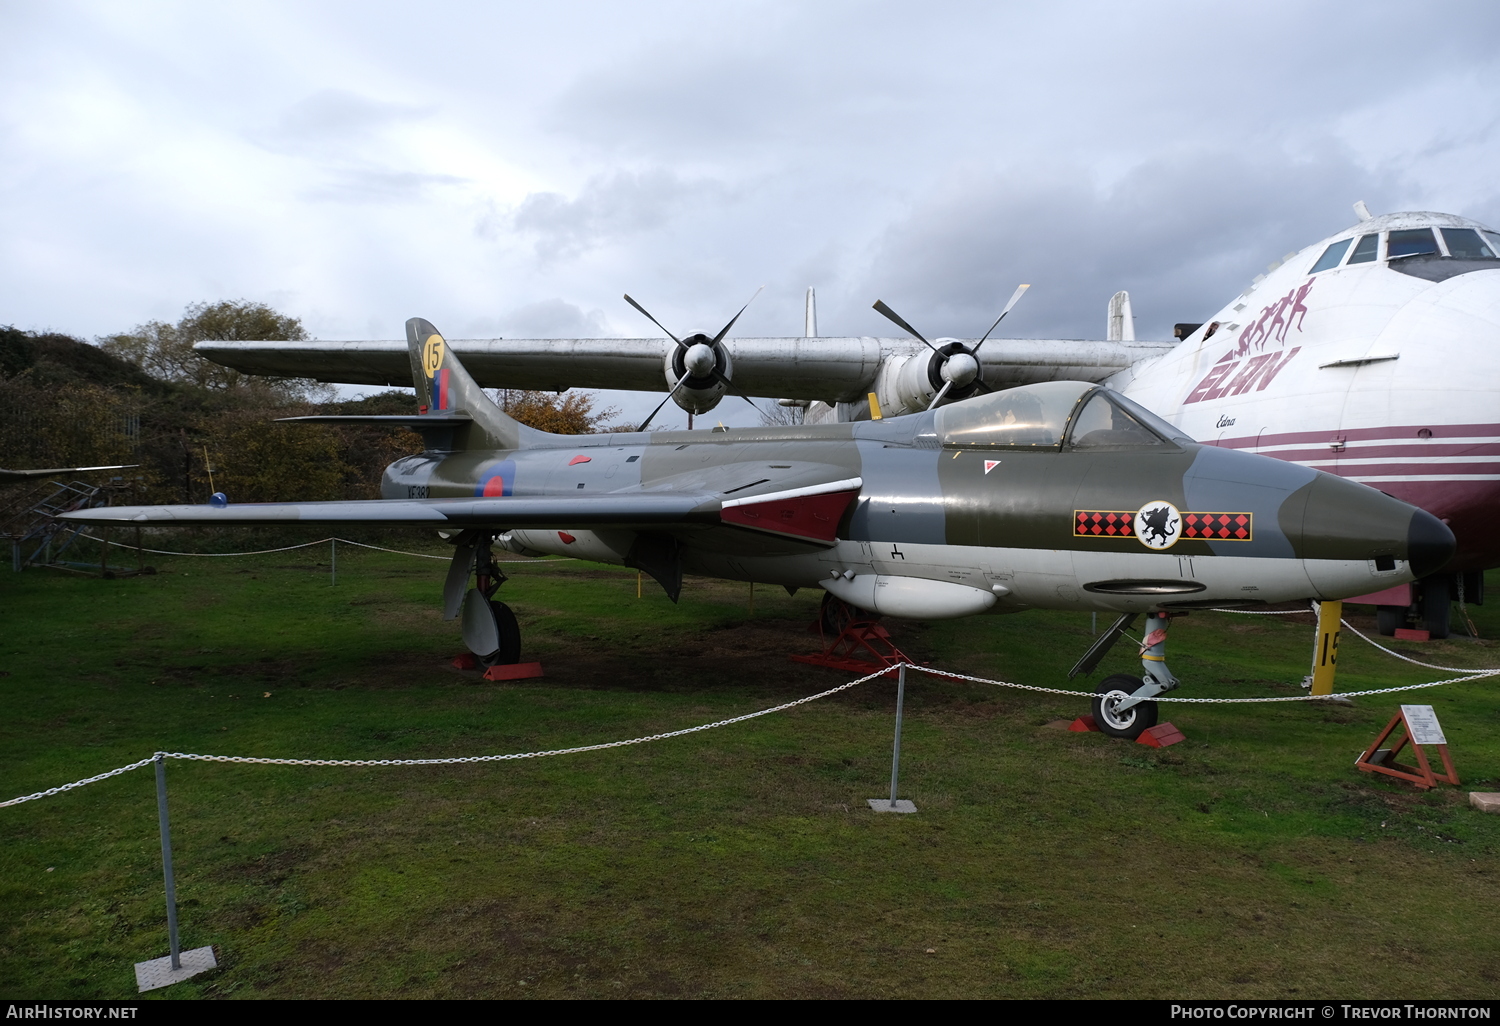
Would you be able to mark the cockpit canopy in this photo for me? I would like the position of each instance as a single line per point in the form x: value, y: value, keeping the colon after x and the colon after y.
x: 1446, y: 241
x: 1051, y: 415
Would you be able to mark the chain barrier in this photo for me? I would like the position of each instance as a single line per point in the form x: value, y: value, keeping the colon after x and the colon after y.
x: 1368, y: 640
x: 1472, y: 675
x: 78, y: 783
x: 509, y: 757
x: 1467, y: 676
x: 1409, y: 659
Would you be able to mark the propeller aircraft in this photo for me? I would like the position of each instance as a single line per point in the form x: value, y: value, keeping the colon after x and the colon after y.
x: 1373, y: 355
x: 1057, y: 495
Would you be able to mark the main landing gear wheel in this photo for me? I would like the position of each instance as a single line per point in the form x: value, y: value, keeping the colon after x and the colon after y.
x: 1130, y: 723
x: 835, y: 614
x: 1437, y: 605
x: 509, y: 631
x: 1389, y: 619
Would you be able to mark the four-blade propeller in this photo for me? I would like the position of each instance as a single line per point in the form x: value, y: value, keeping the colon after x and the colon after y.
x: 700, y: 357
x: 958, y: 366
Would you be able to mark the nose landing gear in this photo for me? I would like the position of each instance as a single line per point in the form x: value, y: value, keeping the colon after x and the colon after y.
x: 1122, y: 704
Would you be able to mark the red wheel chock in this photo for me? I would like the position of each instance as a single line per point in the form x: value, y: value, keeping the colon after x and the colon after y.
x: 854, y: 646
x: 1159, y: 736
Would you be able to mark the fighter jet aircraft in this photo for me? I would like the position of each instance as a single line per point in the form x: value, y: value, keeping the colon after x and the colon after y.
x: 1058, y: 495
x: 1373, y: 355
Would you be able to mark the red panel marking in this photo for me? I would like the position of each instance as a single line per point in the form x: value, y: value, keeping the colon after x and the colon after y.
x: 808, y: 516
x: 567, y: 538
x: 580, y: 459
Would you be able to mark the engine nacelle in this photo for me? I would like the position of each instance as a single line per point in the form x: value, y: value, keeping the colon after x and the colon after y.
x: 704, y: 368
x: 907, y: 384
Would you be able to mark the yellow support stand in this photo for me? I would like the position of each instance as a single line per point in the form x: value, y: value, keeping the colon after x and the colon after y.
x: 1326, y: 653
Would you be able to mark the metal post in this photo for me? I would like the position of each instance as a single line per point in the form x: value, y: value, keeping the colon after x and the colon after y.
x: 166, y: 857
x: 334, y: 568
x: 893, y: 804
x: 1326, y: 647
x: 896, y: 749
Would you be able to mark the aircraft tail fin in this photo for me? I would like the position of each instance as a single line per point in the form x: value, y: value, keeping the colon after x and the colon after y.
x: 1120, y: 326
x: 444, y: 388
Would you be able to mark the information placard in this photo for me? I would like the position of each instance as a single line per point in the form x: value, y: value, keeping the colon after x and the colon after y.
x: 1422, y: 722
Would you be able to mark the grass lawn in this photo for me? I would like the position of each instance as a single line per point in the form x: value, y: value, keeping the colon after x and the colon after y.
x: 1251, y: 860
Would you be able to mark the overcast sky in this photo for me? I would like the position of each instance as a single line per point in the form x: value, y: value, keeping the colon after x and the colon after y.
x: 511, y: 169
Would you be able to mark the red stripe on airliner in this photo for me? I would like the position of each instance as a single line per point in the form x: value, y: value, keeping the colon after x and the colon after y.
x: 1392, y: 434
x: 1376, y: 452
x: 1456, y: 471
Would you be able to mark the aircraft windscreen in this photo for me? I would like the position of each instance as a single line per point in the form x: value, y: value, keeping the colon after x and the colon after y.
x: 1365, y: 251
x: 1160, y: 425
x: 1025, y: 417
x: 1494, y: 240
x: 1410, y: 242
x: 1103, y: 425
x: 1466, y: 244
x: 1331, y: 256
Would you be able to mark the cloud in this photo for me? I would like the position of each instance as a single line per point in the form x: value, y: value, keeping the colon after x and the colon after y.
x: 1209, y: 219
x: 555, y: 318
x: 610, y: 207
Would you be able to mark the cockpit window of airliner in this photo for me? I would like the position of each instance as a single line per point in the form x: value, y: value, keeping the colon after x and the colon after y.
x: 1365, y: 251
x: 1494, y: 241
x: 1466, y: 244
x: 1410, y: 242
x: 1331, y: 256
x: 1032, y: 416
x: 1103, y: 425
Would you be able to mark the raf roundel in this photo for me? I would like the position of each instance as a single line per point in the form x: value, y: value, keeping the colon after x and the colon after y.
x: 1158, y: 525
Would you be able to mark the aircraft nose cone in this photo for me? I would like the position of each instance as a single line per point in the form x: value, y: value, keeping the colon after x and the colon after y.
x: 699, y: 360
x: 960, y: 368
x: 1429, y: 543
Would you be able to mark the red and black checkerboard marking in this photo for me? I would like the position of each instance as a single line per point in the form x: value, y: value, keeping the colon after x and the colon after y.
x: 1095, y: 523
x: 1219, y: 526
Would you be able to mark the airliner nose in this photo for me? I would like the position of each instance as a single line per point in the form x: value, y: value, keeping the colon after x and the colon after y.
x: 1429, y: 543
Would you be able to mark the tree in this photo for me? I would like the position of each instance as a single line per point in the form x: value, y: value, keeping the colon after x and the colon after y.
x: 569, y: 414
x: 165, y: 351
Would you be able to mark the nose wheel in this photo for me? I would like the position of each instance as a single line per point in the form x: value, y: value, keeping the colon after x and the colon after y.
x: 1129, y: 722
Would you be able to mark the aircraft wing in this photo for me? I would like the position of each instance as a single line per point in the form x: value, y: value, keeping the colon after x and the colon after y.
x: 808, y: 512
x: 10, y: 476
x: 630, y: 509
x: 819, y: 368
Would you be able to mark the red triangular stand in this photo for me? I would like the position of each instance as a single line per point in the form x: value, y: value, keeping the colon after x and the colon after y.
x: 1421, y: 774
x: 851, y: 649
x: 1083, y: 724
x: 465, y: 661
x: 513, y: 671
x: 1160, y: 736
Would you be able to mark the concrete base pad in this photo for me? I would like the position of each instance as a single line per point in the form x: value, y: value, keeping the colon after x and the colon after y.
x: 159, y: 972
x: 1485, y: 801
x: 885, y: 805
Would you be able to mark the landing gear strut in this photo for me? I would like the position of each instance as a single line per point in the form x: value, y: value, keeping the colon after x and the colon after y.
x: 489, y: 627
x: 1122, y: 704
